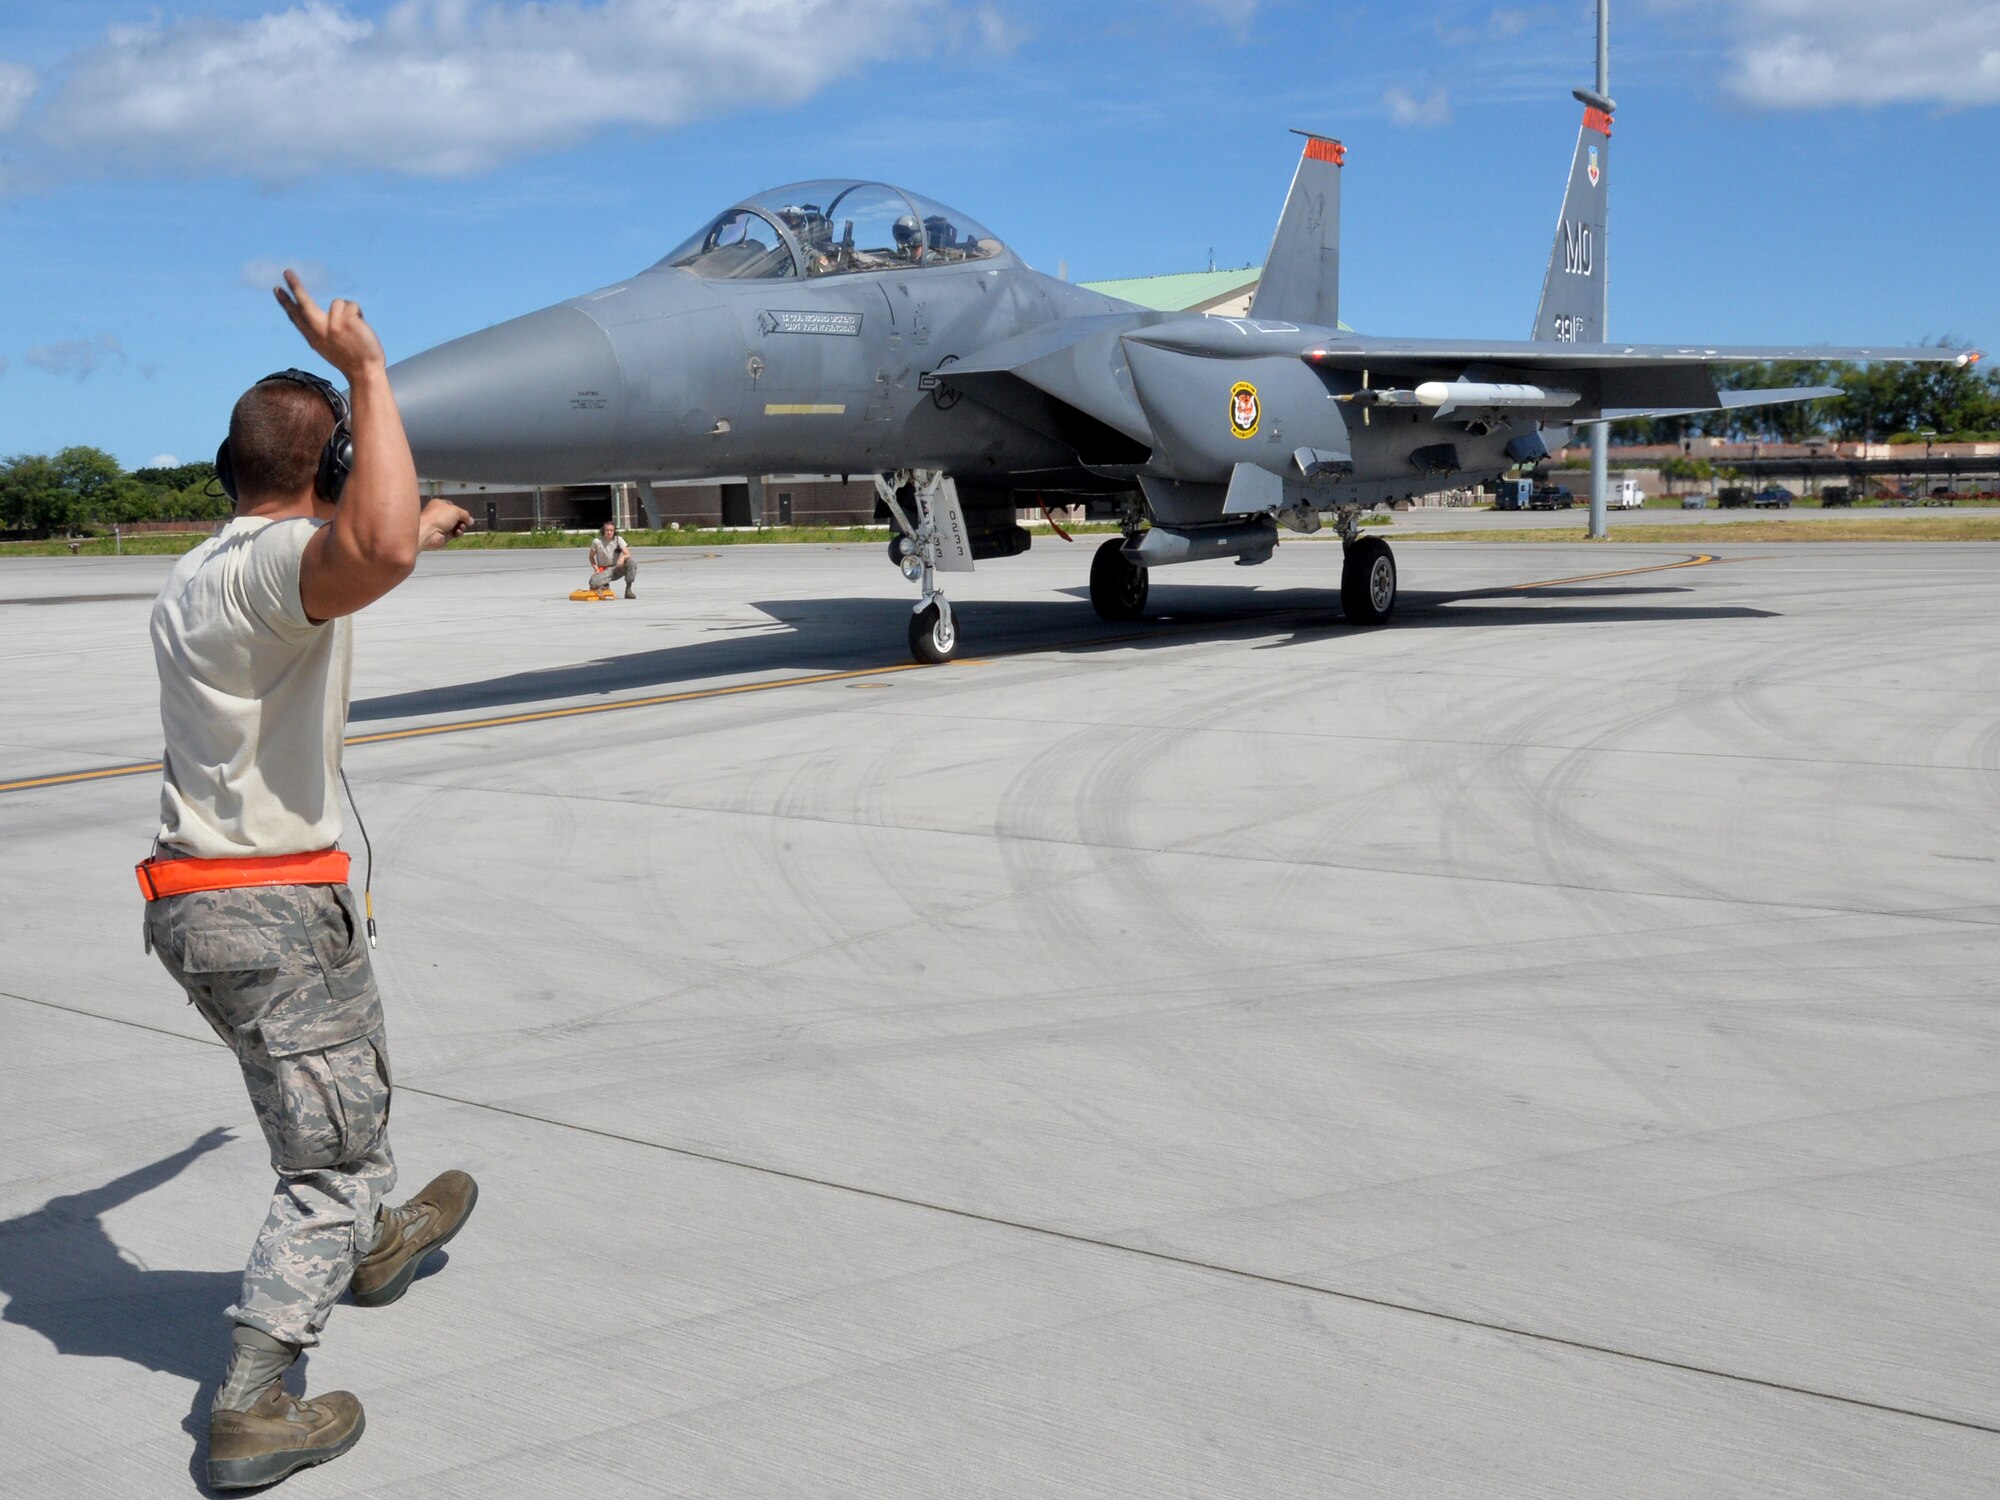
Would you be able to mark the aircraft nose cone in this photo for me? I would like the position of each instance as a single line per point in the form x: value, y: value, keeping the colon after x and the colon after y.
x: 538, y: 399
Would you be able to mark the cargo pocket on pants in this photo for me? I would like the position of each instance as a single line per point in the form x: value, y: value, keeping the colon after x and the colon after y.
x: 334, y: 1104
x: 229, y: 972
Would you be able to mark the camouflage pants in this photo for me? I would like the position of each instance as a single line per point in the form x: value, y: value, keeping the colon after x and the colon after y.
x: 602, y: 578
x: 282, y: 974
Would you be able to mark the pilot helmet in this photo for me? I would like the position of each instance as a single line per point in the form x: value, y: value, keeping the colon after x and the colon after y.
x: 908, y: 231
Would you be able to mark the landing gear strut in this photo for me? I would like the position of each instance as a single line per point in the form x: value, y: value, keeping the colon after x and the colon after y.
x: 937, y: 542
x: 1118, y: 586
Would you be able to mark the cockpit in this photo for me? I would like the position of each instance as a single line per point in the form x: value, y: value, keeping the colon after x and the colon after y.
x: 831, y: 229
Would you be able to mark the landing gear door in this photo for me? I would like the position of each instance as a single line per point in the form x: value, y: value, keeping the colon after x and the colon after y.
x: 937, y: 498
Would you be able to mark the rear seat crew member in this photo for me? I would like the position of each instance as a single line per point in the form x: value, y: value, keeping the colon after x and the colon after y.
x: 247, y: 899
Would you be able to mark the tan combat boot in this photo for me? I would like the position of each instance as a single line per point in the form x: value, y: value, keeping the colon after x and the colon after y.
x: 277, y: 1435
x: 410, y: 1233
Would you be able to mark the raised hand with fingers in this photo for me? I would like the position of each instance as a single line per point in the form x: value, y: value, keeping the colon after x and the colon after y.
x: 338, y: 333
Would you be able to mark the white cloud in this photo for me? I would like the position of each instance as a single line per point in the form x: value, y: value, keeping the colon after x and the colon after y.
x: 268, y: 271
x: 1502, y: 23
x: 445, y: 87
x: 162, y: 461
x: 17, y: 87
x: 1832, y: 54
x: 1405, y: 108
x: 78, y: 357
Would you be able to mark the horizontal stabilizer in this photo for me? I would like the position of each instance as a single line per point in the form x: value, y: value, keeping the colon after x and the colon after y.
x: 1301, y: 280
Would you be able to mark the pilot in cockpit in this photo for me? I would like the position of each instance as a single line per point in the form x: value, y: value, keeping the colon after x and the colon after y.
x: 815, y: 236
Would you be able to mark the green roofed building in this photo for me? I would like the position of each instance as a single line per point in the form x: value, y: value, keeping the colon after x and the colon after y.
x: 1225, y: 293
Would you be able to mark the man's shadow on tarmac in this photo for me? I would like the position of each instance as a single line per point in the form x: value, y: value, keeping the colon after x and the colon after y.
x: 66, y: 1279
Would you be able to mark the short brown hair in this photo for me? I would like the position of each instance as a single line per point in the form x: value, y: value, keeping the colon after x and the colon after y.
x: 276, y: 434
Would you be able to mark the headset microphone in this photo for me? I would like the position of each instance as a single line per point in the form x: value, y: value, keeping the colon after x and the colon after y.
x: 336, y: 459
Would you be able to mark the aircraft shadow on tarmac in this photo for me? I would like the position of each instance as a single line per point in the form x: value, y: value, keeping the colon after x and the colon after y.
x: 849, y: 634
x: 65, y: 1278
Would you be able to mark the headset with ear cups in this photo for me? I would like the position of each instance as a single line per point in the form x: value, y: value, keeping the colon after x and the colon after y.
x: 336, y: 459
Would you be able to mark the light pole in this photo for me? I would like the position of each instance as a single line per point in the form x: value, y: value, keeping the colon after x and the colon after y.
x: 1600, y: 432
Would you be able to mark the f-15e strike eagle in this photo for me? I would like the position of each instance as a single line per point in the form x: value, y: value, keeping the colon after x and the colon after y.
x: 854, y: 328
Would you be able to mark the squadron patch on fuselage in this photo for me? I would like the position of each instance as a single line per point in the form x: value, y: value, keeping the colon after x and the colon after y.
x: 1244, y: 409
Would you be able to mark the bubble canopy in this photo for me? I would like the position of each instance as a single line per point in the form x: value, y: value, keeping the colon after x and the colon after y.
x: 832, y: 228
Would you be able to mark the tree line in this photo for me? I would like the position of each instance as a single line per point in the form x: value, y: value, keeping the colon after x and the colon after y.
x: 82, y: 488
x: 1878, y: 404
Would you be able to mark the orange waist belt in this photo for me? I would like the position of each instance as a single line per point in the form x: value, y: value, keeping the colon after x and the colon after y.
x: 177, y: 877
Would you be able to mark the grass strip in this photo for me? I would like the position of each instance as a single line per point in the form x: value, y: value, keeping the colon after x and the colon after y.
x: 1857, y: 529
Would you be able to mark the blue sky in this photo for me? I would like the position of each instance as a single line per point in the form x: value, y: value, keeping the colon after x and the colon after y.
x: 1782, y: 171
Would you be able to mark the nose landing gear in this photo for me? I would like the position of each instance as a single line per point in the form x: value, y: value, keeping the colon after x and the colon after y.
x: 937, y: 542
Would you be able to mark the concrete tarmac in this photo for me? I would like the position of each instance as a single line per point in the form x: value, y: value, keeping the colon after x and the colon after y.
x: 1547, y: 1046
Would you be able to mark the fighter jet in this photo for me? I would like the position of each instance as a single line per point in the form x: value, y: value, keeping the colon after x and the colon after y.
x: 849, y: 327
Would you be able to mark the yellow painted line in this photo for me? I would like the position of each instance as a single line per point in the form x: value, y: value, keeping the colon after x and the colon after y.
x: 540, y: 716
x: 71, y: 776
x: 803, y: 409
x: 1686, y: 562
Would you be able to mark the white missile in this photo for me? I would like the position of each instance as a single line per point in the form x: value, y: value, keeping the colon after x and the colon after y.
x: 1447, y: 394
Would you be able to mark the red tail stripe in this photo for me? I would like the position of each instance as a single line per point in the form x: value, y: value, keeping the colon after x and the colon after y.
x: 1319, y: 150
x: 1597, y: 120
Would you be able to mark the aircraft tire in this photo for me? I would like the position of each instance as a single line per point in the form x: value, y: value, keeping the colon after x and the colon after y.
x: 1368, y: 582
x: 933, y: 639
x: 1118, y: 586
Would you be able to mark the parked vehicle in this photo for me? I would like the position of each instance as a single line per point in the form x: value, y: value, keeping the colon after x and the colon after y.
x: 1835, y: 494
x: 1623, y: 494
x: 1551, y: 497
x: 1774, y: 496
x: 1732, y: 496
x: 1693, y: 502
x: 1512, y: 494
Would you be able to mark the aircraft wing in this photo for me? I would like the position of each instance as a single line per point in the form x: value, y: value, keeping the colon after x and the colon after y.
x: 1628, y: 378
x: 1387, y: 354
x: 1225, y: 338
x: 1727, y: 401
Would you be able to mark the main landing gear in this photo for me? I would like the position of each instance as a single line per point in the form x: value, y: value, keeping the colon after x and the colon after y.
x: 937, y: 541
x: 1118, y: 585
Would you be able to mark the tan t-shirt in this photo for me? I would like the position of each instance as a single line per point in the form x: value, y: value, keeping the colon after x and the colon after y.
x: 253, y: 698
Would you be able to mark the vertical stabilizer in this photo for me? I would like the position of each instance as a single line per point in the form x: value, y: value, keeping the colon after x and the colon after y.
x: 1574, y: 290
x: 1301, y: 280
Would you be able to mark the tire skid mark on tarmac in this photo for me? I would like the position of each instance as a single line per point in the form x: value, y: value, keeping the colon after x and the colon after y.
x: 537, y: 716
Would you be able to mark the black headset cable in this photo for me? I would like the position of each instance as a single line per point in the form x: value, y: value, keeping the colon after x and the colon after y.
x: 368, y: 880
